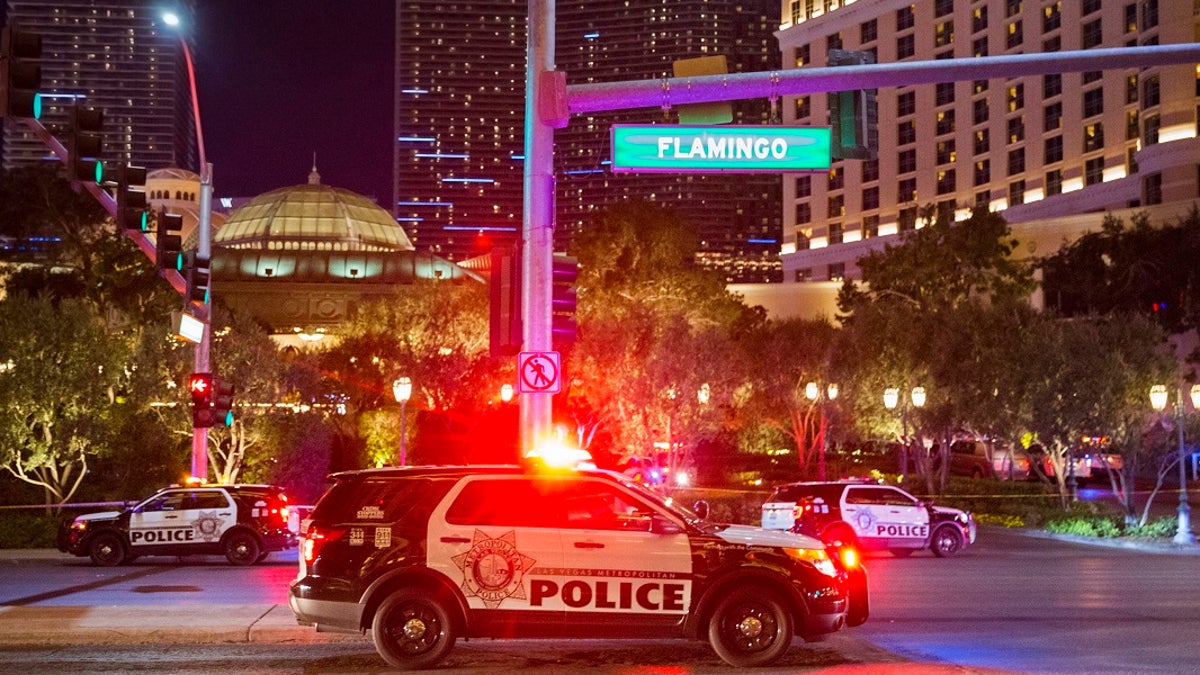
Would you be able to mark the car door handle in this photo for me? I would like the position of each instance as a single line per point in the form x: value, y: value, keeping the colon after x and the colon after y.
x: 588, y: 544
x: 170, y: 517
x: 456, y: 540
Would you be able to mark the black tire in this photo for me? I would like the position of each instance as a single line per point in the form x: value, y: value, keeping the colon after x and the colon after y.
x: 107, y: 550
x: 749, y: 628
x: 947, y: 541
x: 902, y: 552
x: 413, y: 630
x: 242, y: 548
x: 261, y: 557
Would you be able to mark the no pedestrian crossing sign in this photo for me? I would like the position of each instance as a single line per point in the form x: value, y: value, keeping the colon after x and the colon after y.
x: 539, y: 373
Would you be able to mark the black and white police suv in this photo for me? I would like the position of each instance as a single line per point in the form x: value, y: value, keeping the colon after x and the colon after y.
x: 244, y: 523
x: 868, y: 514
x: 422, y: 556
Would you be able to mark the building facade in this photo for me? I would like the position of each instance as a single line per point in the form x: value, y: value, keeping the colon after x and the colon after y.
x: 1044, y: 151
x: 117, y: 56
x: 459, y: 142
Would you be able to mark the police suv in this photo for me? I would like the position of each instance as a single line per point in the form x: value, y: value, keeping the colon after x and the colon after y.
x: 868, y: 514
x: 245, y: 523
x: 422, y: 556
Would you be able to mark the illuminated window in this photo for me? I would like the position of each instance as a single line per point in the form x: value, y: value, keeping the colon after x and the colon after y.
x: 946, y: 182
x: 837, y: 271
x: 1015, y: 97
x: 983, y: 172
x: 980, y: 47
x: 945, y: 122
x: 1016, y: 129
x: 982, y: 141
x: 943, y: 34
x: 1051, y: 17
x: 1151, y: 124
x: 1014, y: 35
x: 837, y: 178
x: 1132, y: 125
x: 1093, y: 136
x: 1131, y: 89
x: 979, y: 19
x: 945, y: 151
x: 907, y: 191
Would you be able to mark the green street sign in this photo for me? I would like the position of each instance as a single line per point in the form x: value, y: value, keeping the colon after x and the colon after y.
x: 719, y: 149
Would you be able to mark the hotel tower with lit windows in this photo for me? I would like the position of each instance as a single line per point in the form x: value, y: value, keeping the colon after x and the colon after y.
x: 1053, y: 154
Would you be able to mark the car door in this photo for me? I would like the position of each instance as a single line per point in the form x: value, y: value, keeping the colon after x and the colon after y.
x: 885, y: 517
x: 497, y: 538
x: 179, y: 519
x: 620, y: 576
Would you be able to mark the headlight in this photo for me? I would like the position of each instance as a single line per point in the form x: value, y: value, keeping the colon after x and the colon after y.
x: 79, y: 525
x: 817, y: 557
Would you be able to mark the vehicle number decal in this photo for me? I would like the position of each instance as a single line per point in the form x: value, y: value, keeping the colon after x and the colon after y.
x: 357, y: 536
x: 383, y: 537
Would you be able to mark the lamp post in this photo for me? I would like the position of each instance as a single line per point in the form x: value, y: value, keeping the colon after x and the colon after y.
x: 1158, y: 401
x: 203, y: 249
x: 892, y: 399
x: 402, y: 390
x: 814, y: 393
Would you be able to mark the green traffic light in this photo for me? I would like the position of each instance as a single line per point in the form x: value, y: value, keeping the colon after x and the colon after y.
x: 145, y: 221
x: 37, y: 106
x: 99, y: 172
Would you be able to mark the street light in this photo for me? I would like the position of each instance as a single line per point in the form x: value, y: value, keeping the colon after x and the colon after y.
x: 203, y: 248
x: 402, y: 390
x: 506, y: 393
x: 891, y: 399
x: 1158, y: 401
x: 812, y: 391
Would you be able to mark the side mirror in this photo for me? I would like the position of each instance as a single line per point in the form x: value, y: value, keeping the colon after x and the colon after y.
x: 660, y: 524
x: 701, y: 509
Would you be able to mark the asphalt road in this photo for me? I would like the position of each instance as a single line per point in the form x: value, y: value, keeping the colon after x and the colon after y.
x: 1012, y: 603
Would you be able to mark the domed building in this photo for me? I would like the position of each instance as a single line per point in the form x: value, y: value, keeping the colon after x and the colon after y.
x: 299, y: 259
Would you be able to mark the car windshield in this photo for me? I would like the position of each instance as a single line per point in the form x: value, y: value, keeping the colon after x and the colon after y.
x: 670, y: 505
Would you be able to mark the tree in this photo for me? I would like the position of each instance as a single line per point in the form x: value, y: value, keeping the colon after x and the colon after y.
x: 652, y: 322
x: 942, y: 265
x: 58, y: 387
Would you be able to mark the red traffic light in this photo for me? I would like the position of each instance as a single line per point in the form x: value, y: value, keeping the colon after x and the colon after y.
x: 201, y: 386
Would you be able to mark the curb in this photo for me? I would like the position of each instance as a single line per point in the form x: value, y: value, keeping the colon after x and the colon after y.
x: 1143, y: 545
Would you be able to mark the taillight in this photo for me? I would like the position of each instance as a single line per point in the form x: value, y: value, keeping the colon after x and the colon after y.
x: 849, y: 557
x: 316, y: 538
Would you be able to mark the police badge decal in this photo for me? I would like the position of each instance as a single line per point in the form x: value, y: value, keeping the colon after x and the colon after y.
x: 493, y: 569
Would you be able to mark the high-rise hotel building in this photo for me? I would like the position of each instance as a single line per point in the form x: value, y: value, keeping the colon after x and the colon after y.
x: 117, y: 56
x: 460, y: 106
x: 1052, y: 153
x: 736, y: 218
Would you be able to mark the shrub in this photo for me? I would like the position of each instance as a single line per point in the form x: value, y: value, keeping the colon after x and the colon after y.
x: 1163, y: 527
x: 28, y: 529
x: 1085, y: 526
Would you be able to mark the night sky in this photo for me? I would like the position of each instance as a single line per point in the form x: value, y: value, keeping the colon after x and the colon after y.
x: 279, y: 80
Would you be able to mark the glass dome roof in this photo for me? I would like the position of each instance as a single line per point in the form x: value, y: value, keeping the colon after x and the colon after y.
x: 312, y: 217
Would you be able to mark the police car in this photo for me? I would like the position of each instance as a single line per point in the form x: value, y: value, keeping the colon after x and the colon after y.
x: 245, y: 523
x: 422, y: 556
x: 870, y: 515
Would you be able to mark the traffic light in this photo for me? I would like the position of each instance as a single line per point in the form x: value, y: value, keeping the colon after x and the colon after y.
x: 222, y: 402
x: 854, y: 115
x: 199, y: 272
x: 84, y: 145
x: 201, y: 387
x: 20, y: 79
x: 168, y: 242
x: 504, y: 285
x: 564, y: 272
x: 129, y: 183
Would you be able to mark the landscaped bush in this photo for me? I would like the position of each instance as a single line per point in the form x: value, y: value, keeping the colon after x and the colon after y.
x: 27, y: 529
x: 1163, y: 528
x: 1084, y: 526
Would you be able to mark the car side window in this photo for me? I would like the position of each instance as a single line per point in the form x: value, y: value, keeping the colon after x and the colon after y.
x: 589, y: 505
x: 862, y: 496
x: 509, y: 502
x: 208, y: 499
x: 892, y: 497
x: 171, y: 501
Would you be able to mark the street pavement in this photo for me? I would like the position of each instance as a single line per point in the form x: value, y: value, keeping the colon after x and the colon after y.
x: 34, y: 625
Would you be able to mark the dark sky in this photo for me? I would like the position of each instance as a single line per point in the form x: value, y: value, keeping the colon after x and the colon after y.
x: 279, y: 80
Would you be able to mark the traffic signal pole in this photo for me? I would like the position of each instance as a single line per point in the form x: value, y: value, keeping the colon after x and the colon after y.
x: 537, y: 227
x: 203, y: 348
